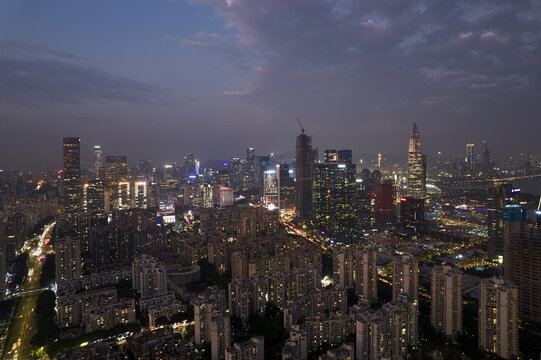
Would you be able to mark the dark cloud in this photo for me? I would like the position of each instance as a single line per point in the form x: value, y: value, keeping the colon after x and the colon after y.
x: 33, y: 74
x: 442, y: 63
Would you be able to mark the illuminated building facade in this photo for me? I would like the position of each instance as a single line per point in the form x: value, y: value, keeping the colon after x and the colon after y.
x: 286, y: 188
x: 416, y: 182
x: 522, y: 260
x: 94, y: 196
x: 71, y: 175
x: 334, y: 191
x: 499, y: 195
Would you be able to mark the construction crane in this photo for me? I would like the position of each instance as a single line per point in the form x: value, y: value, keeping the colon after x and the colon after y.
x: 302, y: 127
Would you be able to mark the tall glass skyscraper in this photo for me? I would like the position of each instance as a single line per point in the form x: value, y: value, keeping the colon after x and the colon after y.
x: 416, y: 186
x: 71, y: 175
x: 303, y: 169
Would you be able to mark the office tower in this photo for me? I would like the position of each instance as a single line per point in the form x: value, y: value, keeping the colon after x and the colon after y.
x: 405, y: 277
x: 499, y: 195
x: 412, y: 213
x: 522, y: 257
x: 94, y: 197
x: 124, y: 196
x: 470, y: 156
x: 486, y: 164
x: 249, y: 171
x: 98, y: 162
x: 380, y: 158
x: 366, y: 274
x: 263, y: 165
x: 68, y: 258
x: 383, y: 194
x: 116, y: 171
x: 344, y: 157
x: 330, y: 156
x: 303, y: 167
x: 270, y: 189
x: 498, y: 317
x: 140, y: 197
x: 71, y: 175
x: 416, y: 182
x: 334, y: 191
x: 286, y: 188
x: 189, y: 165
x: 446, y: 300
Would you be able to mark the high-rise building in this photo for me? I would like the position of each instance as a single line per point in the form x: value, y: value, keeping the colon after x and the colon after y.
x: 498, y: 317
x: 98, y: 162
x: 249, y: 170
x: 412, y: 213
x: 270, y: 189
x: 383, y: 194
x: 148, y: 277
x: 68, y: 258
x: 334, y: 190
x: 486, y: 164
x: 344, y: 156
x: 416, y: 182
x: 220, y: 335
x: 94, y: 197
x: 303, y: 169
x: 286, y: 188
x: 405, y: 277
x: 189, y: 165
x: 366, y: 274
x: 71, y: 175
x: 470, y: 156
x: 499, y: 195
x: 116, y: 171
x: 330, y: 156
x: 522, y: 258
x: 446, y: 300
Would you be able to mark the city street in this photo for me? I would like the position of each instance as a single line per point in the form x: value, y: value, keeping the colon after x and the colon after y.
x: 20, y: 333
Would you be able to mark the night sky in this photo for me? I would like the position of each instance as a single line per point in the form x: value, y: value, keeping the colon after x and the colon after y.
x: 157, y: 79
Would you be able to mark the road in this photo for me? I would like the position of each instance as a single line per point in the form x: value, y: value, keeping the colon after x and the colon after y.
x: 20, y: 332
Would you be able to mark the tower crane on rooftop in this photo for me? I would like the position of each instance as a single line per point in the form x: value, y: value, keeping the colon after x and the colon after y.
x: 300, y: 124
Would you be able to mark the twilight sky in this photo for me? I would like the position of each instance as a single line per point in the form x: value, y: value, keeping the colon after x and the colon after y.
x: 156, y: 79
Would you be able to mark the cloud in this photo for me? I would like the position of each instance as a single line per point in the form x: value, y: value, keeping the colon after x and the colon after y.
x: 204, y: 35
x: 34, y: 74
x: 355, y: 59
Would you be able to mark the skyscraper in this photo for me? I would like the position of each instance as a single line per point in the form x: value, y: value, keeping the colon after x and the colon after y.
x: 416, y: 183
x: 98, y: 161
x: 333, y: 199
x: 304, y: 163
x: 499, y: 195
x: 330, y: 156
x: 286, y: 188
x: 521, y: 259
x: 71, y: 175
x: 470, y: 156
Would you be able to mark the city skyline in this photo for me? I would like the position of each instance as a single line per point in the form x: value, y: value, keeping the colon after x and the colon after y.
x: 167, y: 77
